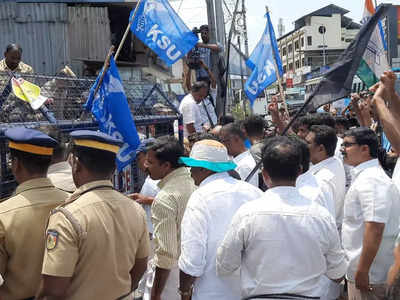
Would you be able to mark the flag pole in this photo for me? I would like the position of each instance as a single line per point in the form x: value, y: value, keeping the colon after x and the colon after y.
x: 110, y: 52
x: 128, y: 28
x: 278, y: 77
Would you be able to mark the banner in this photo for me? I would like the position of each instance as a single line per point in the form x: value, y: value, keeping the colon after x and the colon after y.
x: 110, y: 108
x: 158, y: 26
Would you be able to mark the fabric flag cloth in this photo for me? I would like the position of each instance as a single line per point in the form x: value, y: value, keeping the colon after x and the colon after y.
x: 158, y: 26
x: 374, y: 61
x: 337, y: 82
x: 111, y: 110
x: 261, y: 62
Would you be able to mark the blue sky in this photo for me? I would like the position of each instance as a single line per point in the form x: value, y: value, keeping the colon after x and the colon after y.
x: 194, y: 14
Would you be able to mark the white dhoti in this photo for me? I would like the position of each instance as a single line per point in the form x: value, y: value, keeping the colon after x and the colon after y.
x: 170, y: 291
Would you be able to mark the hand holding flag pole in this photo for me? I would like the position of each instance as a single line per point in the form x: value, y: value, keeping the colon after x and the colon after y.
x: 279, y: 78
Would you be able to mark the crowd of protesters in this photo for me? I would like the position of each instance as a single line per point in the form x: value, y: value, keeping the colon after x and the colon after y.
x: 240, y: 212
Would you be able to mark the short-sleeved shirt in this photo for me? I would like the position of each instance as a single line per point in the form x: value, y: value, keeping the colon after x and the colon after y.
x: 96, y: 242
x: 206, y: 219
x: 283, y: 243
x: 245, y: 164
x: 167, y: 212
x: 60, y: 175
x: 149, y: 189
x: 14, y: 109
x: 23, y: 220
x: 191, y: 114
x: 372, y: 197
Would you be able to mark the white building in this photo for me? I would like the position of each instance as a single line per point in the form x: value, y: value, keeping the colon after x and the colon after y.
x: 316, y: 42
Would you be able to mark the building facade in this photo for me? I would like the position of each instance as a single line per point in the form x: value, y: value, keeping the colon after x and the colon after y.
x: 316, y: 43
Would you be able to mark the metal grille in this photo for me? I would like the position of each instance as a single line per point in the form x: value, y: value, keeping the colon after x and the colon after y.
x: 153, y: 110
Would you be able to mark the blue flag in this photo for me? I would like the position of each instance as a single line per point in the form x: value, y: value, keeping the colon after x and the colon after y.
x: 111, y: 110
x: 261, y: 62
x: 158, y: 26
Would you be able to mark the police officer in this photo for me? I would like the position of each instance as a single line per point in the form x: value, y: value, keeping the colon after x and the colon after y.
x: 23, y: 216
x: 97, y: 242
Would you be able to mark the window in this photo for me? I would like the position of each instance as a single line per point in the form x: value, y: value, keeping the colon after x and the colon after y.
x: 309, y: 40
x: 290, y: 67
x: 284, y: 51
x: 302, y: 62
x: 302, y: 41
x: 297, y: 63
x: 290, y: 49
x: 309, y: 61
x: 284, y: 69
x: 296, y: 45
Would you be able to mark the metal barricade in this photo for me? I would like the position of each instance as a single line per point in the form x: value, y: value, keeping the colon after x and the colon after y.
x: 154, y: 114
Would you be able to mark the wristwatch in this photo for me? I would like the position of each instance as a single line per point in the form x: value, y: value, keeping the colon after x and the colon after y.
x: 185, y: 293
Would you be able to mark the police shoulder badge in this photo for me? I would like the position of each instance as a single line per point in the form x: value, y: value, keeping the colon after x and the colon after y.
x: 51, y: 239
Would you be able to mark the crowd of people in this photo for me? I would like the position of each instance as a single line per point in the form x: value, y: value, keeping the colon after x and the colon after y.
x: 238, y: 212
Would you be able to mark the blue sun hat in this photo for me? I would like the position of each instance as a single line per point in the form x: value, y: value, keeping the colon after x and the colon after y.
x: 209, y: 154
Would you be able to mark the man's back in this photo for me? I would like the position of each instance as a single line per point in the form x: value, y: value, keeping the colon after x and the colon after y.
x: 100, y: 251
x: 22, y: 230
x: 331, y: 177
x: 288, y: 243
x: 207, y: 216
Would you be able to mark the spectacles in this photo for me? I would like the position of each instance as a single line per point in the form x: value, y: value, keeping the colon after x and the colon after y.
x: 348, y: 144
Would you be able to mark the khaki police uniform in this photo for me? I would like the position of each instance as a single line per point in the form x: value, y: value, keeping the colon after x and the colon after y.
x: 95, y: 238
x: 22, y: 241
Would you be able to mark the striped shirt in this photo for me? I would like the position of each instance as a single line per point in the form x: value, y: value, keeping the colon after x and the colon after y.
x: 167, y: 213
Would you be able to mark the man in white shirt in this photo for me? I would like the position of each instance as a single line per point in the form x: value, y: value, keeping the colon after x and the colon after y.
x: 233, y: 137
x: 207, y: 216
x: 283, y: 242
x: 327, y: 168
x: 371, y: 217
x: 192, y: 121
x: 331, y: 178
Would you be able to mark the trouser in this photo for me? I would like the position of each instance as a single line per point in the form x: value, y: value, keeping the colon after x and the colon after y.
x: 170, y: 291
x: 281, y: 297
x: 377, y: 293
x: 330, y: 290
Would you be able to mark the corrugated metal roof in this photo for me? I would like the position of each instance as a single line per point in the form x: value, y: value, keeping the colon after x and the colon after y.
x: 40, y: 29
x: 53, y: 34
x: 89, y: 32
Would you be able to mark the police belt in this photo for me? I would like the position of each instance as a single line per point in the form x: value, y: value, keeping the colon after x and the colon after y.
x: 281, y: 296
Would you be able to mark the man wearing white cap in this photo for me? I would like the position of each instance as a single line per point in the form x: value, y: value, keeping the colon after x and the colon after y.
x: 206, y: 219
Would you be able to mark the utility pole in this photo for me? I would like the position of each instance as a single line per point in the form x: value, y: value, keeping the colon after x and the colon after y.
x: 246, y: 40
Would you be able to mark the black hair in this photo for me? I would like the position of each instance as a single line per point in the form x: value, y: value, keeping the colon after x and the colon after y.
x: 198, y: 85
x: 223, y: 120
x: 33, y: 163
x: 282, y: 159
x: 167, y: 149
x: 322, y: 119
x: 365, y: 136
x: 326, y: 136
x: 304, y: 121
x: 254, y: 125
x: 235, y: 128
x: 340, y: 120
x: 13, y: 47
x: 207, y: 136
x: 99, y: 162
x: 203, y: 27
x: 304, y: 151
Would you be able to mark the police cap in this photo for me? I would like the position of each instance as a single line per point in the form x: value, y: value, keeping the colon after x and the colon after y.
x: 30, y: 140
x: 95, y: 140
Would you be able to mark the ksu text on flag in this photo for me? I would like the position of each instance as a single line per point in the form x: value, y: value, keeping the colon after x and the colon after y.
x: 110, y: 108
x: 158, y: 26
x: 261, y: 61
